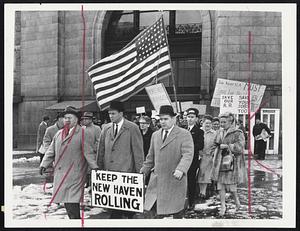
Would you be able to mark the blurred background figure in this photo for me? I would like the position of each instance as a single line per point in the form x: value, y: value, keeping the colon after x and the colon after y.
x: 261, y: 133
x: 216, y: 123
x: 206, y: 159
x: 144, y: 123
x: 155, y: 125
x: 40, y: 135
x: 93, y: 137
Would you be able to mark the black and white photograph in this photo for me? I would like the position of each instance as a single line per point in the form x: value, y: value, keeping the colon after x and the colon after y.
x: 162, y: 114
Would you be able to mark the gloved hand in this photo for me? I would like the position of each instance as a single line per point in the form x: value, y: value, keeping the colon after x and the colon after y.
x: 42, y: 170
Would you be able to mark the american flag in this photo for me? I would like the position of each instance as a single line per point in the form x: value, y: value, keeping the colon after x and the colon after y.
x: 128, y: 71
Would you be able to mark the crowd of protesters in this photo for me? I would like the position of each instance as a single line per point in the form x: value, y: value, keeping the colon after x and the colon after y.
x: 185, y: 158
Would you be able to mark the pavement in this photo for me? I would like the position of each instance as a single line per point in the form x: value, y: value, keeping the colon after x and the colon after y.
x: 266, y: 192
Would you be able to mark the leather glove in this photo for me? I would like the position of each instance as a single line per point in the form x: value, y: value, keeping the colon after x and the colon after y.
x: 42, y: 170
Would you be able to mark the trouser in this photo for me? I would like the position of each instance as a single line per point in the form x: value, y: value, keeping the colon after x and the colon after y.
x: 192, y: 181
x: 73, y: 210
x: 41, y: 157
x: 118, y: 214
x: 260, y: 149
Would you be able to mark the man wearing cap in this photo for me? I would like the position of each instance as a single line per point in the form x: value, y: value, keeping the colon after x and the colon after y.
x: 168, y: 160
x: 198, y: 139
x: 120, y: 148
x: 72, y: 155
x: 40, y: 135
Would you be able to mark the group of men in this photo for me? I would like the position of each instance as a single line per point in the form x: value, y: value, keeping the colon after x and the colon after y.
x: 171, y: 163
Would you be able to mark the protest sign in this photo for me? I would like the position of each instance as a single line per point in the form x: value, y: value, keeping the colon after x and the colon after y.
x: 236, y: 104
x: 116, y: 190
x: 186, y: 105
x: 158, y: 95
x: 140, y: 110
x: 201, y: 108
x: 231, y: 87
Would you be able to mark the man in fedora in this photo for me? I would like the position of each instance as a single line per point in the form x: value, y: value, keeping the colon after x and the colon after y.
x: 120, y: 148
x: 198, y: 139
x: 72, y: 155
x: 168, y: 160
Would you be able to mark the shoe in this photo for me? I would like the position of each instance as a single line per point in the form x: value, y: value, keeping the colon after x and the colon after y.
x: 222, y: 211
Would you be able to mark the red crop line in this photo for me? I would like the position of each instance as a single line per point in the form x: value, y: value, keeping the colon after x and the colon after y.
x: 83, y: 57
x: 264, y: 166
x: 60, y: 157
x: 263, y: 104
x: 62, y: 181
x: 249, y: 121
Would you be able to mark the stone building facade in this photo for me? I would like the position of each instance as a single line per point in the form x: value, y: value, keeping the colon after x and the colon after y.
x: 49, y: 59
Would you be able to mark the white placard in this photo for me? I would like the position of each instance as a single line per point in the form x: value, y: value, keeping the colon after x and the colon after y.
x: 231, y: 87
x: 116, y: 190
x: 236, y: 104
x: 201, y: 108
x: 186, y: 105
x: 140, y: 110
x: 158, y: 95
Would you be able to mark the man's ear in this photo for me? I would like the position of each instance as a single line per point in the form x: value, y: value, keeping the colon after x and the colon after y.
x: 122, y: 114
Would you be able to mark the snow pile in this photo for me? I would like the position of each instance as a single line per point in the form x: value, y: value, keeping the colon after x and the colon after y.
x: 25, y: 160
x: 31, y: 202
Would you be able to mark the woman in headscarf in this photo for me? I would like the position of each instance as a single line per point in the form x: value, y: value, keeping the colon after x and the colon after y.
x: 229, y: 162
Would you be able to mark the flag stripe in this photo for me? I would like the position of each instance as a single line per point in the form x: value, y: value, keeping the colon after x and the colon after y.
x: 108, y: 67
x: 161, y: 75
x: 132, y: 79
x: 112, y: 57
x: 132, y: 73
x: 124, y: 90
x: 115, y: 73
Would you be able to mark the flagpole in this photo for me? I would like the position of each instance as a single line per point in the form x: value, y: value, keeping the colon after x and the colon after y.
x: 172, y: 73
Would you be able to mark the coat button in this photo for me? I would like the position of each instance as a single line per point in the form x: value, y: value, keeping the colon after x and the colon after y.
x: 113, y: 149
x: 59, y: 168
x: 111, y: 161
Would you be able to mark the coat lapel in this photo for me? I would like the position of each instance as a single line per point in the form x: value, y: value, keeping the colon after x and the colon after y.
x: 170, y: 137
x: 124, y: 126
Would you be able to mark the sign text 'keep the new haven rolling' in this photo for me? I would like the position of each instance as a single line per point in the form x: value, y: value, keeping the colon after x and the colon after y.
x: 116, y: 190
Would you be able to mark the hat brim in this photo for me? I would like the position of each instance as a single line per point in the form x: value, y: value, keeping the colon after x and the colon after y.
x: 170, y: 114
x: 70, y: 112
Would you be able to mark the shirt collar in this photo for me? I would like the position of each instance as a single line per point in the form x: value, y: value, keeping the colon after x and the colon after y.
x: 120, y: 123
x: 44, y: 122
x: 191, y: 127
x: 169, y: 130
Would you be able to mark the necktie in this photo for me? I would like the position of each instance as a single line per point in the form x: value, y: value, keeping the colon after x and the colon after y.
x: 116, y: 130
x: 165, y: 136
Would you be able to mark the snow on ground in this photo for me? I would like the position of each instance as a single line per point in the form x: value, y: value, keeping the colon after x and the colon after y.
x: 32, y: 202
x: 26, y: 160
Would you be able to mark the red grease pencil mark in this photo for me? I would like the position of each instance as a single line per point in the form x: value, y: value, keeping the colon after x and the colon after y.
x: 249, y: 122
x: 82, y: 101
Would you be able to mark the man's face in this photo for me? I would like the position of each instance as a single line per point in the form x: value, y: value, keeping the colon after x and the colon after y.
x: 225, y: 123
x: 70, y: 120
x: 191, y: 119
x: 207, y: 124
x: 166, y: 121
x: 115, y: 116
x: 216, y: 125
x: 86, y: 121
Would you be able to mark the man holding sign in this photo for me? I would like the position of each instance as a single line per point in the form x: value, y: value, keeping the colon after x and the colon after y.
x: 120, y: 148
x: 169, y: 158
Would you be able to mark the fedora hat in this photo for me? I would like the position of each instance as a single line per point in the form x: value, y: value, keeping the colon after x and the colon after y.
x: 116, y: 105
x: 71, y: 110
x: 166, y: 110
x: 87, y: 115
